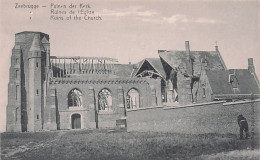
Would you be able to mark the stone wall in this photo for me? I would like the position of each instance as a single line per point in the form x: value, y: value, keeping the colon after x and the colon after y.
x: 214, y: 117
x: 149, y: 91
x: 25, y: 110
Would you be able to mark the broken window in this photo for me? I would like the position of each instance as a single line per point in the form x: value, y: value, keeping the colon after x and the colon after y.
x: 75, y: 98
x: 132, y: 99
x: 205, y: 61
x: 233, y: 80
x: 104, y: 100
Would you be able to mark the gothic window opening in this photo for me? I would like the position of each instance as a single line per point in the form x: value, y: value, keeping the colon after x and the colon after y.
x: 105, y: 100
x: 75, y: 98
x: 37, y: 64
x: 133, y: 99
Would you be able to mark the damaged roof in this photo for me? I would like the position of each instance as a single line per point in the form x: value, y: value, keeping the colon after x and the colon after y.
x: 155, y: 63
x: 177, y: 58
x: 219, y: 81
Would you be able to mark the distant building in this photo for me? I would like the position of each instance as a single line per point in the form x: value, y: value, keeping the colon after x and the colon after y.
x: 51, y: 93
x: 199, y: 76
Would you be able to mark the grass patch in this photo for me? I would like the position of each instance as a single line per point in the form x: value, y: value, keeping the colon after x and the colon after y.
x: 103, y: 144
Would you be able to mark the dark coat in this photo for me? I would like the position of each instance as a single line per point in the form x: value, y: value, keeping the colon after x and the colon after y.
x: 242, y: 122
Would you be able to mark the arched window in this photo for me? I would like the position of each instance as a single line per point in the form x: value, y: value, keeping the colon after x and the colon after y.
x: 104, y: 100
x: 75, y: 98
x: 132, y: 99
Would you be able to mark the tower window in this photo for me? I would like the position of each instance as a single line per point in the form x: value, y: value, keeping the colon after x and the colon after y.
x: 37, y: 64
x: 16, y: 92
x: 37, y: 116
x: 204, y: 92
x: 16, y: 112
x: 37, y: 92
x: 17, y: 61
x: 16, y: 74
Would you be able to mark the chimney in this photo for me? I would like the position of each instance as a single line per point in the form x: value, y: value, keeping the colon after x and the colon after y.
x: 189, y: 65
x: 187, y: 46
x: 251, y: 66
x: 216, y: 47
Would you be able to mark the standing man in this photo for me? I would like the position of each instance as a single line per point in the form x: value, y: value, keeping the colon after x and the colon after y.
x: 241, y: 120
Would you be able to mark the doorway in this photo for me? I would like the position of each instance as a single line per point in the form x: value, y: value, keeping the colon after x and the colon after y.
x: 76, y: 121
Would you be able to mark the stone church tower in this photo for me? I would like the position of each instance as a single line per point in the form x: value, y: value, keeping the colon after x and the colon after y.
x: 27, y: 83
x: 52, y: 93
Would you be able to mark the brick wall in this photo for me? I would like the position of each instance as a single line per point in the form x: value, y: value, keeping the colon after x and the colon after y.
x: 216, y: 117
x: 90, y: 93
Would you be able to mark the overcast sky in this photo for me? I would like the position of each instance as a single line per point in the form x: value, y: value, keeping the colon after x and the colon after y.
x: 133, y: 30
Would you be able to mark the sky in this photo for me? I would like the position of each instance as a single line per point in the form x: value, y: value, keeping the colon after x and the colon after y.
x: 132, y: 30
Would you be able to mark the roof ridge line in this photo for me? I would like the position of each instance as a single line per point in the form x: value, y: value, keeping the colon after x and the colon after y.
x: 185, y: 51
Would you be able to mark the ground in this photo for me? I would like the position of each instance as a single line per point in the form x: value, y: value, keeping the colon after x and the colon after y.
x: 118, y: 144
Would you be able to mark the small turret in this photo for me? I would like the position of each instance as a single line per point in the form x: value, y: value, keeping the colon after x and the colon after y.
x: 37, y: 63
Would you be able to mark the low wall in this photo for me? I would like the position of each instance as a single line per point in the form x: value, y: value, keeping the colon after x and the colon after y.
x: 216, y: 117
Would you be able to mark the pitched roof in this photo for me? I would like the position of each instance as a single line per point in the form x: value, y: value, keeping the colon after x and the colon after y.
x: 136, y: 67
x: 44, y: 40
x: 36, y: 44
x: 177, y: 58
x: 155, y: 63
x: 247, y: 82
x: 219, y: 81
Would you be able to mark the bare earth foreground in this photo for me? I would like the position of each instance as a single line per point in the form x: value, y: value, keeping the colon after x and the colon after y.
x: 111, y: 144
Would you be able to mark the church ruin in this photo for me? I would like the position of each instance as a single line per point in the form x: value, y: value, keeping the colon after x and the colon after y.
x: 47, y: 92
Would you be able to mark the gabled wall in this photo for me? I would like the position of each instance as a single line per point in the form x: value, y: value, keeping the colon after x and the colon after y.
x: 204, y: 92
x: 184, y: 89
